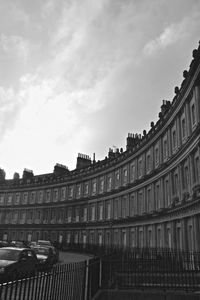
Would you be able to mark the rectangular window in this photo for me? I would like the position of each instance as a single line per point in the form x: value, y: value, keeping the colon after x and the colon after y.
x: 92, y: 213
x: 148, y: 162
x: 48, y: 195
x: 140, y: 168
x: 125, y: 176
x: 115, y: 208
x: 100, y: 211
x: 63, y: 193
x: 2, y: 199
x: 133, y: 172
x: 101, y: 185
x: 77, y: 214
x: 109, y: 183
x: 167, y: 194
x: 165, y: 150
x: 85, y: 214
x: 55, y: 195
x: 69, y: 215
x: 156, y: 156
x: 149, y: 200
x: 124, y: 207
x: 174, y: 139
x: 193, y: 114
x: 78, y: 190
x: 117, y: 177
x: 71, y: 190
x: 140, y: 202
x: 94, y: 187
x: 183, y: 128
x: 108, y: 214
x: 86, y: 189
x: 40, y: 197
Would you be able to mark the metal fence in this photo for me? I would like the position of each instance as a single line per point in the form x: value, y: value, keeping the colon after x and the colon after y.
x: 63, y: 282
x: 144, y: 268
x: 152, y: 268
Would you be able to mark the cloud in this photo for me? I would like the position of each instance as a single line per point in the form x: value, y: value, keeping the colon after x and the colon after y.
x: 9, y: 107
x: 173, y: 33
x: 14, y: 46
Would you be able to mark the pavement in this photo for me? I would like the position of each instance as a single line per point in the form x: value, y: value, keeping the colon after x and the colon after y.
x: 69, y: 257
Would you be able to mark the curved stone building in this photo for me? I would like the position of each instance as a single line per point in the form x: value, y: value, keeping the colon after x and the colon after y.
x: 148, y: 195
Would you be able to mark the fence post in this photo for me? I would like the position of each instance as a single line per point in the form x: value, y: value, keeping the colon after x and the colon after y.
x: 100, y: 272
x: 86, y: 280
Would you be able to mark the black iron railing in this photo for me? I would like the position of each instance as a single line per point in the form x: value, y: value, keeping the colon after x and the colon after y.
x: 62, y: 282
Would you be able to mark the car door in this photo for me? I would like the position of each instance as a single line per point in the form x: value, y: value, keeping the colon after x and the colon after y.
x: 23, y: 263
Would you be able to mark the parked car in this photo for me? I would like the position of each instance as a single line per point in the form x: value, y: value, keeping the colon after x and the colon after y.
x: 44, y: 243
x: 17, y: 263
x: 19, y: 244
x: 4, y: 244
x: 45, y: 256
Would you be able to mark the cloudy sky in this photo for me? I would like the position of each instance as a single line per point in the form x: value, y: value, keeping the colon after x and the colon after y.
x: 78, y: 75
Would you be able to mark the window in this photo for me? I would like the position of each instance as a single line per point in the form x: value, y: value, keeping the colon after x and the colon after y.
x: 166, y: 191
x: 174, y: 139
x: 148, y: 162
x: 9, y: 199
x: 124, y: 208
x: 48, y: 195
x: 157, y: 196
x: 101, y: 185
x: 140, y: 201
x: 175, y: 183
x: 86, y: 189
x: 55, y: 195
x: 2, y: 199
x: 117, y: 178
x: 100, y: 211
x: 133, y: 239
x: 25, y: 198
x: 40, y: 197
x: 109, y: 183
x: 132, y: 204
x: 17, y: 198
x: 156, y: 156
x: 63, y: 193
x: 78, y: 192
x: 140, y: 168
x: 165, y: 149
x: 148, y: 200
x: 100, y: 239
x: 77, y: 214
x: 133, y: 172
x: 193, y: 114
x: 69, y: 215
x: 108, y: 210
x: 70, y: 191
x: 149, y: 238
x: 94, y: 187
x: 183, y: 125
x: 125, y: 174
x: 85, y: 214
x: 92, y: 213
x: 185, y: 177
x: 115, y: 208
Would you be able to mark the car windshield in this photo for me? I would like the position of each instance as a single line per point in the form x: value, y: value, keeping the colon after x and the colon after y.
x: 9, y: 254
x: 42, y: 251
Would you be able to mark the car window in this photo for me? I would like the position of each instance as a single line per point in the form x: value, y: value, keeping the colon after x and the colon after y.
x: 8, y: 254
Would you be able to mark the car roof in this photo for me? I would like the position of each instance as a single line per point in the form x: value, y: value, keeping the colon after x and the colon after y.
x: 15, y: 248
